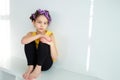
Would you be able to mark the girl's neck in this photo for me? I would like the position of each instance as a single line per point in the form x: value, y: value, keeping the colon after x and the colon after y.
x: 38, y: 32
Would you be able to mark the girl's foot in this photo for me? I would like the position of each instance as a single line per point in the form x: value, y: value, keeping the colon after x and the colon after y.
x: 28, y: 71
x: 35, y: 73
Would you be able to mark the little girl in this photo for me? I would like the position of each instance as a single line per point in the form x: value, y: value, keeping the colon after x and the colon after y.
x: 40, y: 49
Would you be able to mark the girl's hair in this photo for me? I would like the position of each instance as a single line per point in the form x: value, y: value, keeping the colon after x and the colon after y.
x: 41, y: 12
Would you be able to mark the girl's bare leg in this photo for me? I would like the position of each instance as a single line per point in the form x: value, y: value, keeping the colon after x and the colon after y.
x: 28, y: 71
x: 36, y: 72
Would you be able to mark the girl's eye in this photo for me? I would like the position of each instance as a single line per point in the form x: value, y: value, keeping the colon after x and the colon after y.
x: 40, y: 22
x: 45, y: 23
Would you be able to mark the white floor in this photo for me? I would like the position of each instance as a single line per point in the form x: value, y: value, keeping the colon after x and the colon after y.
x: 60, y: 74
x: 52, y: 74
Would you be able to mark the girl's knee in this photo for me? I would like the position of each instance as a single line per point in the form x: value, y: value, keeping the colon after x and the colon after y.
x: 43, y: 45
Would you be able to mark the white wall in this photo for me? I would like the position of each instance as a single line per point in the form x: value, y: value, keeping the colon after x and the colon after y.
x: 70, y: 24
x: 105, y: 43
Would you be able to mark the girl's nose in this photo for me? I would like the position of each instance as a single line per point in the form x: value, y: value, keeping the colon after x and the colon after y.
x: 41, y: 25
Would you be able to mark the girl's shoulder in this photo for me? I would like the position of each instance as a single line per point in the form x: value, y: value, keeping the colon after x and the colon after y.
x: 31, y: 33
x: 49, y: 33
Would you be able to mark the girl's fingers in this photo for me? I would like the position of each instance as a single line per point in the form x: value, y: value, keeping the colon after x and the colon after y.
x: 43, y: 40
x: 47, y: 38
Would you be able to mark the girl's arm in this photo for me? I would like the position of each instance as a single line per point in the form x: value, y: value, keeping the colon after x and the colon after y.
x: 29, y: 38
x: 53, y: 48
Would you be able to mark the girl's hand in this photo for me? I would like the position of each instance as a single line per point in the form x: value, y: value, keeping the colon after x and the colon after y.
x: 46, y: 38
x: 43, y: 40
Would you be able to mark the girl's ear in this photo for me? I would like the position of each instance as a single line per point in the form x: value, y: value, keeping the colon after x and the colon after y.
x: 33, y: 22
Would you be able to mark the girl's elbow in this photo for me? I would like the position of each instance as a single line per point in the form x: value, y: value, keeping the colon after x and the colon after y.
x: 23, y: 41
x: 55, y: 57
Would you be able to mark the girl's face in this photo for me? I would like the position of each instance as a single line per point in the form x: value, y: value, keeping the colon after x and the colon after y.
x: 41, y: 23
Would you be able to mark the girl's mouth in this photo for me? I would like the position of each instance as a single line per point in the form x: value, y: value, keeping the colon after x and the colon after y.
x: 40, y: 28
